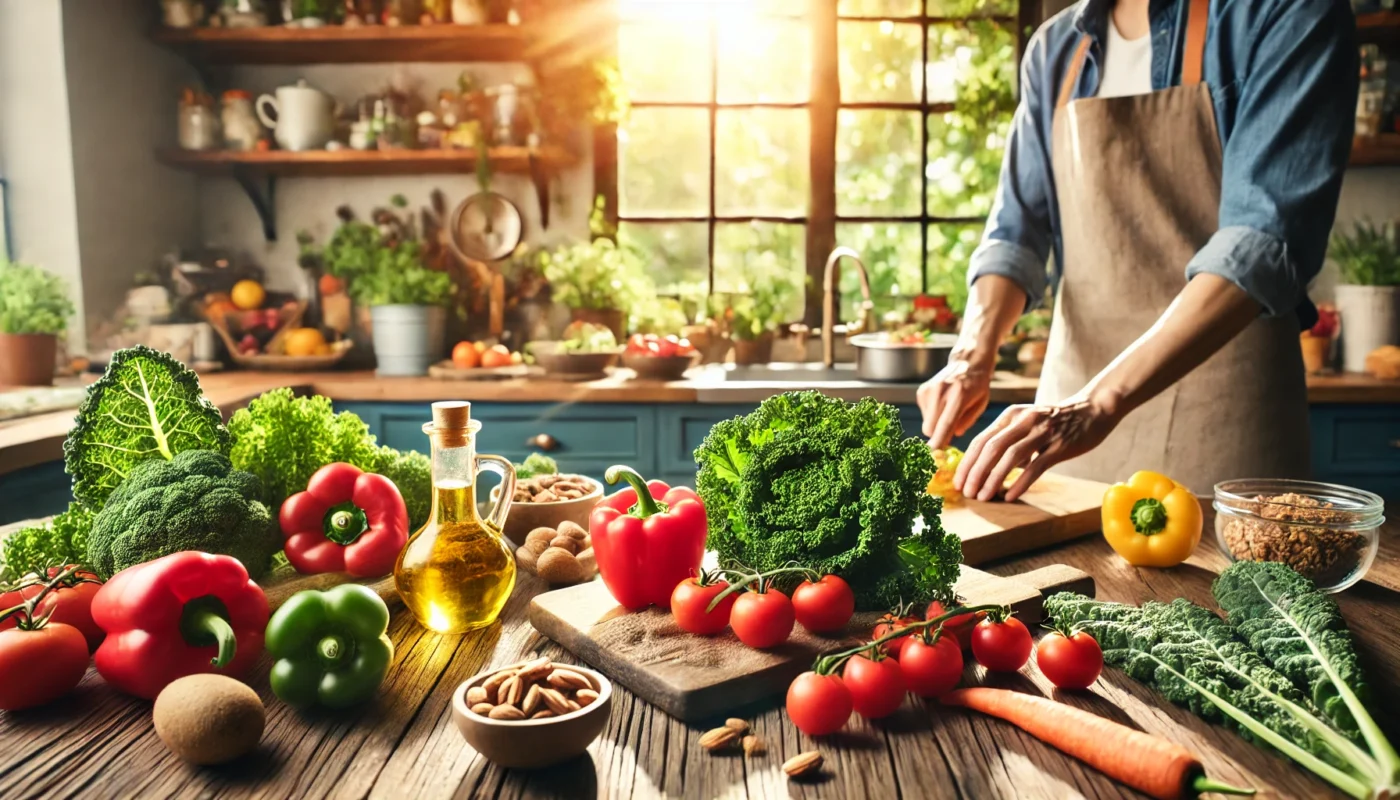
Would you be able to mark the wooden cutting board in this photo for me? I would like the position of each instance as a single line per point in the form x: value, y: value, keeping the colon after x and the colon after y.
x: 1055, y: 509
x: 698, y: 678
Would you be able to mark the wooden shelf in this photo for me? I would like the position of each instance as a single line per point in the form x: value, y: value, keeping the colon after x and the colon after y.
x: 1382, y: 27
x: 1376, y: 151
x: 337, y: 44
x: 329, y: 163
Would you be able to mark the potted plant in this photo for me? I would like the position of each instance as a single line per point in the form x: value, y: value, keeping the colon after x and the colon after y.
x: 1369, y: 294
x: 764, y: 300
x: 599, y: 280
x: 34, y: 310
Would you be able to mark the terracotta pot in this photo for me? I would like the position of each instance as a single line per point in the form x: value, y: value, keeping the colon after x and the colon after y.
x: 754, y: 351
x: 1316, y: 352
x: 27, y: 359
x: 611, y: 318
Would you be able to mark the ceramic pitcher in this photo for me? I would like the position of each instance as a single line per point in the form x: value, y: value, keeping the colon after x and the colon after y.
x: 301, y: 118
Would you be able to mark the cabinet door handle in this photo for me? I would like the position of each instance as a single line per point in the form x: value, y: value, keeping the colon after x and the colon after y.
x: 543, y: 441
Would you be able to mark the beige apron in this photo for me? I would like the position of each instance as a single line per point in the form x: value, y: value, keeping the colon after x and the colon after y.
x: 1138, y: 180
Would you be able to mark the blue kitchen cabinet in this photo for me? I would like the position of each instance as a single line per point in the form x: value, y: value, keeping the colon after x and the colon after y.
x: 39, y: 491
x: 1357, y: 445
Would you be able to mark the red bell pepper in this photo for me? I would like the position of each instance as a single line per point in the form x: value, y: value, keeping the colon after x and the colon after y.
x: 184, y: 614
x: 347, y: 520
x: 647, y: 538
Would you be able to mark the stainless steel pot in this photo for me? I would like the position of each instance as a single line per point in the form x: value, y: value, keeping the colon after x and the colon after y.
x: 878, y: 359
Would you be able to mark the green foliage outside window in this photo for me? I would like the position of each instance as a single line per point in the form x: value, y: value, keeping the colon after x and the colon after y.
x: 32, y: 300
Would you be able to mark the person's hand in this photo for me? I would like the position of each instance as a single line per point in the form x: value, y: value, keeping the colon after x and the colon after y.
x: 1035, y: 438
x: 952, y: 400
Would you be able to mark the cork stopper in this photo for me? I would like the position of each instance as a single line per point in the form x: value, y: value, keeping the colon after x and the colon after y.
x: 452, y: 420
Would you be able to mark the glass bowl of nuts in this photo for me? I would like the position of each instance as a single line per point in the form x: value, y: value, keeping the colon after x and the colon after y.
x: 532, y: 714
x: 1327, y: 533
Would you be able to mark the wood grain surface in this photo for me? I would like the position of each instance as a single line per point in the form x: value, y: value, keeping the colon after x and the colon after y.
x: 97, y: 743
x: 1055, y: 509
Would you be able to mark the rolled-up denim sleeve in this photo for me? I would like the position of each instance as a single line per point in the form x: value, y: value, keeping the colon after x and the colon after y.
x: 1017, y: 240
x: 1286, y: 155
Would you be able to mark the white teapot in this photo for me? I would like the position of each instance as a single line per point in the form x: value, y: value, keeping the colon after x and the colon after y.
x: 301, y: 118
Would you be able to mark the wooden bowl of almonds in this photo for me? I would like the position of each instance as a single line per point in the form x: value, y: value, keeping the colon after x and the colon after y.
x: 545, y: 501
x: 532, y: 714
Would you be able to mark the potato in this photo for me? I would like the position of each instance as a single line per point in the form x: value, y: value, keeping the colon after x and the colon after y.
x: 209, y: 719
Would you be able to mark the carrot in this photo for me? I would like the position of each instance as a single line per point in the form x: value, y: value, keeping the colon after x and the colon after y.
x: 1154, y: 766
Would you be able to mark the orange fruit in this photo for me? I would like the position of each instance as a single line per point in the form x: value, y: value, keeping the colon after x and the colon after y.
x: 330, y: 284
x: 497, y: 356
x: 466, y: 356
x: 248, y: 295
x: 304, y: 342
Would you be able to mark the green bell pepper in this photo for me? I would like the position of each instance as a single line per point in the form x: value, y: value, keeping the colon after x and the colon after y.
x: 330, y: 647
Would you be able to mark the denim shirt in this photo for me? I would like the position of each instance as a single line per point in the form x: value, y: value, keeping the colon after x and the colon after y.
x: 1283, y: 76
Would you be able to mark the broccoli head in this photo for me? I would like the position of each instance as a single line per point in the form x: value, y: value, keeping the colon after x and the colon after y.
x: 195, y: 501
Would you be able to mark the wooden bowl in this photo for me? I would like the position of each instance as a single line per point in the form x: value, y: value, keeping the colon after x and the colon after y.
x: 660, y: 368
x: 533, y: 743
x: 525, y: 517
x: 573, y: 366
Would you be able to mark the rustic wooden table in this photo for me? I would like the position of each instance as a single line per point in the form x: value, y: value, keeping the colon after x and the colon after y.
x: 98, y: 743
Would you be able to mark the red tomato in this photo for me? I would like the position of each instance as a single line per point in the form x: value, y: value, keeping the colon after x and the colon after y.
x: 688, y: 604
x: 38, y: 667
x: 959, y: 627
x: 826, y: 605
x: 636, y: 345
x: 1001, y: 646
x: 877, y: 687
x: 1070, y: 662
x: 931, y: 670
x: 818, y: 704
x: 762, y: 619
x: 887, y: 625
x: 69, y: 605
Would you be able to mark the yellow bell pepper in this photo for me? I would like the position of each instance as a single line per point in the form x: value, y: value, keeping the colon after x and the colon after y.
x: 1151, y: 520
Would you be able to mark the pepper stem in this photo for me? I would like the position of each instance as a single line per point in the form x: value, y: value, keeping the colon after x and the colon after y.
x: 1149, y: 516
x: 333, y: 649
x: 1201, y: 784
x: 202, y: 624
x: 646, y: 504
x: 344, y: 523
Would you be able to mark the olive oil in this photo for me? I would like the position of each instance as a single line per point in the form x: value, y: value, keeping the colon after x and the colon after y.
x: 457, y: 573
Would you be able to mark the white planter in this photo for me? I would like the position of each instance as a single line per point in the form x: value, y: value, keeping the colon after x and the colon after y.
x: 407, y: 339
x: 1370, y: 319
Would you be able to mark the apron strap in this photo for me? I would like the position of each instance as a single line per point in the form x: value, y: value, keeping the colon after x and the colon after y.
x: 1193, y: 52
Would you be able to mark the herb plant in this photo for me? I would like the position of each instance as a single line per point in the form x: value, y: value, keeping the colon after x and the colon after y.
x: 831, y: 486
x: 146, y: 406
x: 766, y: 296
x: 598, y: 274
x: 381, y: 265
x: 32, y: 300
x: 1369, y: 256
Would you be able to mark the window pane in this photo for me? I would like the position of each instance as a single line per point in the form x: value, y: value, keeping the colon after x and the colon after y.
x: 762, y: 265
x: 664, y: 61
x: 949, y: 248
x: 965, y: 145
x: 972, y: 8
x: 664, y: 162
x: 762, y: 162
x: 879, y: 62
x: 890, y: 251
x: 878, y: 8
x: 764, y: 61
x: 963, y: 54
x: 675, y: 253
x: 877, y: 163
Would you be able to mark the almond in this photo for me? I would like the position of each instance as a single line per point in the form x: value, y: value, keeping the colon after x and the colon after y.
x: 740, y: 725
x: 803, y: 764
x: 482, y: 708
x: 511, y: 691
x: 719, y: 739
x: 567, y: 679
x: 532, y: 671
x: 543, y: 713
x: 585, y: 697
x: 555, y: 701
x: 509, y: 713
x: 532, y: 700
x: 492, y: 684
x: 475, y: 695
x: 754, y: 746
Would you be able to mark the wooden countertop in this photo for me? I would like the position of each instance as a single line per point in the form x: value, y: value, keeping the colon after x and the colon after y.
x: 38, y: 439
x: 98, y: 742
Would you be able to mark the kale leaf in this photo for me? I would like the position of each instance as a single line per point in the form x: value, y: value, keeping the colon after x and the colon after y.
x: 61, y: 542
x: 147, y: 405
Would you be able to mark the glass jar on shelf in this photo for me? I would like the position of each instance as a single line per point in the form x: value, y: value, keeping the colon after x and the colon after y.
x: 197, y: 125
x: 241, y: 127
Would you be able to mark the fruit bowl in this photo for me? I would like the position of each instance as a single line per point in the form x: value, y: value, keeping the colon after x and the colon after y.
x: 573, y: 366
x: 661, y: 368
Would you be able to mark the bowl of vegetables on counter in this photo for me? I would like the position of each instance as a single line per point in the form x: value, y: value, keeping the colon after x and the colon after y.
x: 904, y: 355
x: 584, y: 353
x: 662, y: 358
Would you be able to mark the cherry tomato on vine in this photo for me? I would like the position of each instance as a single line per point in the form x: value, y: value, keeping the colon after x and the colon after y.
x: 818, y: 704
x: 888, y: 624
x: 762, y: 619
x: 688, y: 604
x: 1001, y: 646
x: 959, y: 627
x: 71, y: 605
x: 824, y: 606
x: 931, y: 670
x: 1070, y: 662
x: 39, y: 666
x: 877, y: 687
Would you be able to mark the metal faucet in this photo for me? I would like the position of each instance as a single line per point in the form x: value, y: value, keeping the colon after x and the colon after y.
x: 829, y: 297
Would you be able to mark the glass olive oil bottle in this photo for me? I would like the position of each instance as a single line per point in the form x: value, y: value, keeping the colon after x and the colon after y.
x: 456, y: 573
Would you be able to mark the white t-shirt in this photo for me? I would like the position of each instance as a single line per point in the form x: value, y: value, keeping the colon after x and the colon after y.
x: 1127, y: 65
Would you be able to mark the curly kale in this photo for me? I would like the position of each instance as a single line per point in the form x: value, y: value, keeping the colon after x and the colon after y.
x: 833, y: 486
x: 195, y: 501
x: 145, y: 406
x: 61, y: 542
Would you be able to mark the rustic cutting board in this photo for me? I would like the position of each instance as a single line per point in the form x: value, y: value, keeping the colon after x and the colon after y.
x: 1055, y: 509
x: 698, y: 678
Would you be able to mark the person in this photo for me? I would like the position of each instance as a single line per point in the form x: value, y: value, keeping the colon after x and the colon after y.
x: 1182, y: 161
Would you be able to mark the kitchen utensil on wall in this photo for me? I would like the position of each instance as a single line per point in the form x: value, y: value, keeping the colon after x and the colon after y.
x: 485, y: 227
x: 301, y: 118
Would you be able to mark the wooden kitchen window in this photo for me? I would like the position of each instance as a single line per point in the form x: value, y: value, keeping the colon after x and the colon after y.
x: 764, y: 132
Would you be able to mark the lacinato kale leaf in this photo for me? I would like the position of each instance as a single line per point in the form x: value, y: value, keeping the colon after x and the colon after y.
x: 145, y: 406
x: 829, y: 485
